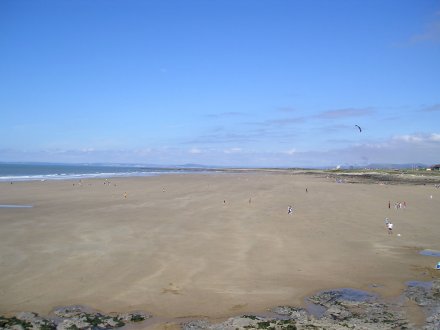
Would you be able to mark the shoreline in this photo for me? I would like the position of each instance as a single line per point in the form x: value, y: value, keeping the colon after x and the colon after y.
x: 380, y: 176
x: 208, y: 244
x: 418, y: 305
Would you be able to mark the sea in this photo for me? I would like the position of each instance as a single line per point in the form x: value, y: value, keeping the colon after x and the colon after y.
x: 47, y: 171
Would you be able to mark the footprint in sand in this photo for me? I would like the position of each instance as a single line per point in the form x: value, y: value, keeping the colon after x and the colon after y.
x: 238, y: 307
x: 172, y: 288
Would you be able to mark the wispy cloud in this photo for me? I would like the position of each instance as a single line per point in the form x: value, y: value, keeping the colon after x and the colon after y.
x: 225, y: 114
x: 431, y: 108
x: 220, y: 137
x: 287, y: 109
x: 350, y: 112
x: 344, y: 113
x: 406, y: 148
x: 335, y: 128
x: 283, y: 121
x: 429, y: 34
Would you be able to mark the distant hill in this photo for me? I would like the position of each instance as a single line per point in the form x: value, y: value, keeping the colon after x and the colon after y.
x: 394, y: 166
x: 193, y: 166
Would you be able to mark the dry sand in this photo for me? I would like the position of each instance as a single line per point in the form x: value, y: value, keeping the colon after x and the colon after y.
x: 196, y: 245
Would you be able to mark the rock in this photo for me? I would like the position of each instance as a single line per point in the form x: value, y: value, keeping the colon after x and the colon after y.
x: 70, y: 311
x: 136, y: 316
x: 433, y: 321
x: 338, y: 313
x: 71, y: 317
x: 36, y: 321
x: 293, y: 313
x: 338, y: 309
x: 196, y: 325
x: 237, y: 323
x: 75, y: 323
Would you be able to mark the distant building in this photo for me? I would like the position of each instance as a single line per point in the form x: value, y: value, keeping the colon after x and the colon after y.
x: 434, y: 168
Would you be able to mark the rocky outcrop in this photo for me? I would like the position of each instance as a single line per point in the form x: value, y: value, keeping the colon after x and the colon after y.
x: 341, y: 309
x: 71, y: 318
x: 332, y: 309
x: 427, y: 296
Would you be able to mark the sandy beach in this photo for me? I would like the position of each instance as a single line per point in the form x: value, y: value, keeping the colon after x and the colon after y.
x: 213, y: 245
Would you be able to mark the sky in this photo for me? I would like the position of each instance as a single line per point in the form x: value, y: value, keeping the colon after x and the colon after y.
x: 268, y: 83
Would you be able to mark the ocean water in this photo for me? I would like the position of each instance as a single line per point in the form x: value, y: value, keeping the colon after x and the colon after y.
x: 38, y: 171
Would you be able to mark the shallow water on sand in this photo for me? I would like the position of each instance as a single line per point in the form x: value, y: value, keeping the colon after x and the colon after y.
x: 424, y: 285
x: 430, y: 253
x: 14, y: 206
x: 346, y: 294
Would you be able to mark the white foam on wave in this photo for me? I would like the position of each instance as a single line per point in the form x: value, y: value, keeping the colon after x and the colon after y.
x: 77, y: 176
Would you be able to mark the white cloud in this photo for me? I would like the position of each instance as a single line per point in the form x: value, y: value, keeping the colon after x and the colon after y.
x: 418, y: 138
x: 408, y: 138
x: 435, y: 137
x: 232, y: 150
x: 195, y: 151
x: 405, y: 148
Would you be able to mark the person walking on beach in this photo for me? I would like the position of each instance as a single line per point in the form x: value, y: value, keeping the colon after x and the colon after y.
x: 390, y: 228
x: 289, y: 210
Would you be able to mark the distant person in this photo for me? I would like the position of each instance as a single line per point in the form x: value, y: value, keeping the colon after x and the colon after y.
x: 306, y: 190
x: 289, y: 210
x: 390, y: 228
x: 125, y: 195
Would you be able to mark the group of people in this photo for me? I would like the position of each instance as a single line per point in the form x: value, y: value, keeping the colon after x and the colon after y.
x: 397, y: 205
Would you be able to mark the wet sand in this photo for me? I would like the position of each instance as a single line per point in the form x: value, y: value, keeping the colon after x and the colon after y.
x: 213, y: 245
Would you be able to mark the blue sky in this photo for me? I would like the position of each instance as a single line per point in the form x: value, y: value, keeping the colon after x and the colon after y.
x: 238, y: 83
